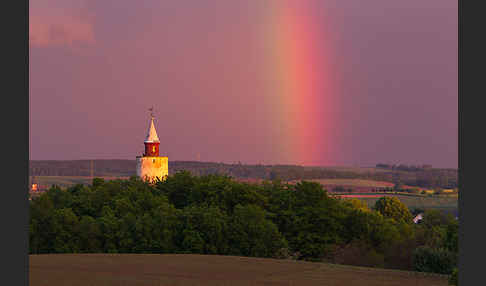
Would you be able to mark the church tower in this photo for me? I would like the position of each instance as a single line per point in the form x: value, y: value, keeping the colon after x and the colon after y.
x: 150, y: 166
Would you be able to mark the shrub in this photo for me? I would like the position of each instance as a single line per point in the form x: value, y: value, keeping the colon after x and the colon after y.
x: 453, y: 278
x: 359, y: 253
x: 426, y: 259
x: 283, y: 253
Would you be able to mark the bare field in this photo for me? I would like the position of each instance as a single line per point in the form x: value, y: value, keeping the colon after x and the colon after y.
x: 186, y: 269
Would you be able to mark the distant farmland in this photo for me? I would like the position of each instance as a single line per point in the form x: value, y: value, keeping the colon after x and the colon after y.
x: 350, y: 183
x: 67, y: 181
x: 172, y: 269
x: 414, y: 201
x: 366, y: 177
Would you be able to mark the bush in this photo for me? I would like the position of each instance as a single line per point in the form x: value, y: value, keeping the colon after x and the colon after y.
x: 453, y: 278
x: 283, y: 253
x: 426, y: 259
x: 359, y: 253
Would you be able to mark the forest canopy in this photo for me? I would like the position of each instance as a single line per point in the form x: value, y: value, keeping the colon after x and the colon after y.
x: 215, y: 214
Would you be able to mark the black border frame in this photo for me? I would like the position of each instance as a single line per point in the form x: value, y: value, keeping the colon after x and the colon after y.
x: 15, y: 142
x: 471, y: 176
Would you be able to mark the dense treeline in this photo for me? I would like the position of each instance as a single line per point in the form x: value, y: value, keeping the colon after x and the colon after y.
x: 420, y: 176
x: 214, y: 214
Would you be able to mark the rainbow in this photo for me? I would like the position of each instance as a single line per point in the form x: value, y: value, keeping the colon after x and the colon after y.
x: 299, y: 53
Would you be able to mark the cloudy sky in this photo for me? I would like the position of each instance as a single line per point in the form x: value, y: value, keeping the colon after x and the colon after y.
x: 273, y: 82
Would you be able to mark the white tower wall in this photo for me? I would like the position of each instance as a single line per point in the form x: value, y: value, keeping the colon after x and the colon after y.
x: 152, y: 168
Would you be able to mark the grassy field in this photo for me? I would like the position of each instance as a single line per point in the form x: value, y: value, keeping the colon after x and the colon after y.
x: 155, y: 269
x: 422, y: 202
x: 360, y: 170
x: 352, y: 183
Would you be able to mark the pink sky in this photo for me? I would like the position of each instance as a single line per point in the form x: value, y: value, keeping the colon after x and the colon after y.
x: 97, y: 66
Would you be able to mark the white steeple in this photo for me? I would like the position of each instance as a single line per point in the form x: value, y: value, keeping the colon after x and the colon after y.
x: 151, y: 133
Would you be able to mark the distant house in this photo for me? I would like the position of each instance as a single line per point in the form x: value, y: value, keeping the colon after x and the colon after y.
x: 418, y: 218
x: 36, y: 188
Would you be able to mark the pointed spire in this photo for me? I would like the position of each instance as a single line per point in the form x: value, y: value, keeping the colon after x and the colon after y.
x: 151, y: 133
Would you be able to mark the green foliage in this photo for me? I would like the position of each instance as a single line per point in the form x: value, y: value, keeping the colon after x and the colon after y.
x: 426, y: 259
x: 433, y: 218
x: 359, y: 253
x: 251, y: 234
x: 358, y: 204
x: 453, y: 279
x: 391, y: 207
x: 452, y: 236
x: 214, y: 214
x: 98, y: 182
x: 204, y: 230
x: 317, y: 226
x: 438, y: 230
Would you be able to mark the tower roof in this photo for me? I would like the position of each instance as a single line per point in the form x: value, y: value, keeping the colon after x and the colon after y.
x: 151, y: 133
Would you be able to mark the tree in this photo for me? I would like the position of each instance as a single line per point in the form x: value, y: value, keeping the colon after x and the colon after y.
x: 358, y: 253
x: 66, y: 229
x: 357, y: 204
x: 207, y: 227
x: 318, y: 221
x: 178, y: 188
x: 98, y: 182
x: 89, y: 235
x: 426, y: 259
x: 250, y: 234
x: 453, y: 279
x: 452, y: 236
x: 433, y: 218
x: 109, y: 226
x: 214, y: 214
x: 392, y: 207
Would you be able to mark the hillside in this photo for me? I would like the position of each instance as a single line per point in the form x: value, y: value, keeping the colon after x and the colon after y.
x: 156, y: 269
x: 427, y: 178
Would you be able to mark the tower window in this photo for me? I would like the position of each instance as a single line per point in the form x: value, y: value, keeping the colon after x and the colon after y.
x: 153, y: 149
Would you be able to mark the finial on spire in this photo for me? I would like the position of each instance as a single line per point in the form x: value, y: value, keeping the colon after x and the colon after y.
x: 151, y: 133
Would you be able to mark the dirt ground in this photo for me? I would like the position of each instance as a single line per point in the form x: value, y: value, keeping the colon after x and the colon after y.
x: 155, y: 269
